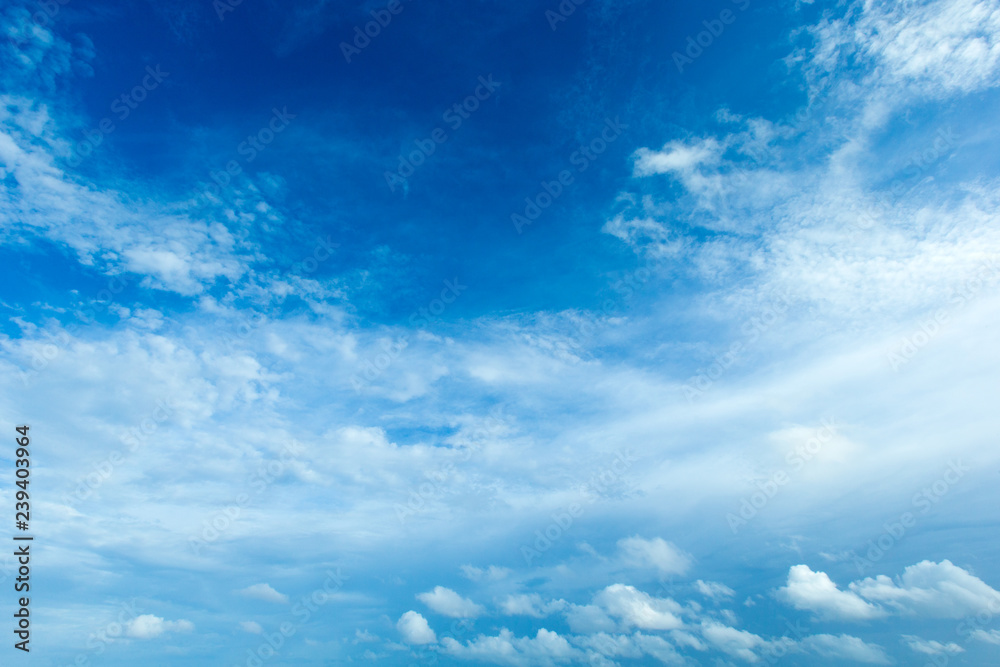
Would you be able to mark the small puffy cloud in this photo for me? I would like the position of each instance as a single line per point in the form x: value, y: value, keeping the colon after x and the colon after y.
x: 814, y: 591
x: 639, y: 609
x: 264, y: 592
x: 714, y: 590
x: 931, y: 647
x: 530, y: 605
x: 545, y: 648
x: 148, y: 626
x: 449, y: 603
x: 933, y: 590
x: 252, y: 627
x: 846, y: 647
x: 676, y: 157
x: 414, y: 629
x: 657, y: 553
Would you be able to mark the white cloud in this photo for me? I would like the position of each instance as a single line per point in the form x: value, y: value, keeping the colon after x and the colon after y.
x: 545, y: 648
x: 927, y: 589
x: 264, y: 592
x: 364, y: 637
x: 171, y: 245
x: 639, y: 609
x: 414, y: 629
x: 659, y: 648
x: 148, y: 626
x: 936, y: 47
x: 253, y: 627
x: 931, y: 647
x: 988, y: 636
x: 676, y: 157
x: 740, y: 643
x: 657, y: 553
x: 589, y: 618
x: 815, y: 592
x: 602, y: 646
x: 530, y: 605
x: 449, y: 603
x: 931, y: 590
x: 714, y: 590
x: 846, y: 647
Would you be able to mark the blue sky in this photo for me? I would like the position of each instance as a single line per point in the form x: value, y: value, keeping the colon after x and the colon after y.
x: 611, y: 333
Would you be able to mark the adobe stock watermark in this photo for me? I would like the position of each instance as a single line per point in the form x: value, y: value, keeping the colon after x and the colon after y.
x: 923, y: 500
x: 223, y: 7
x: 562, y: 12
x: 381, y: 18
x: 696, y: 44
x: 122, y: 107
x: 796, y: 458
x: 454, y: 117
x: 248, y: 150
x: 546, y: 538
x: 218, y: 524
x: 581, y: 158
x: 421, y: 318
x: 752, y: 329
x: 302, y: 612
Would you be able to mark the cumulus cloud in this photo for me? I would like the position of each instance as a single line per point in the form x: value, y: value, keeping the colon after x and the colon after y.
x: 656, y: 553
x: 740, y: 643
x: 449, y: 603
x: 530, y: 605
x: 589, y: 618
x: 934, y: 590
x: 148, y: 626
x: 927, y: 589
x: 264, y: 592
x: 545, y: 648
x: 414, y: 629
x: 815, y: 592
x: 636, y: 608
x: 931, y: 647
